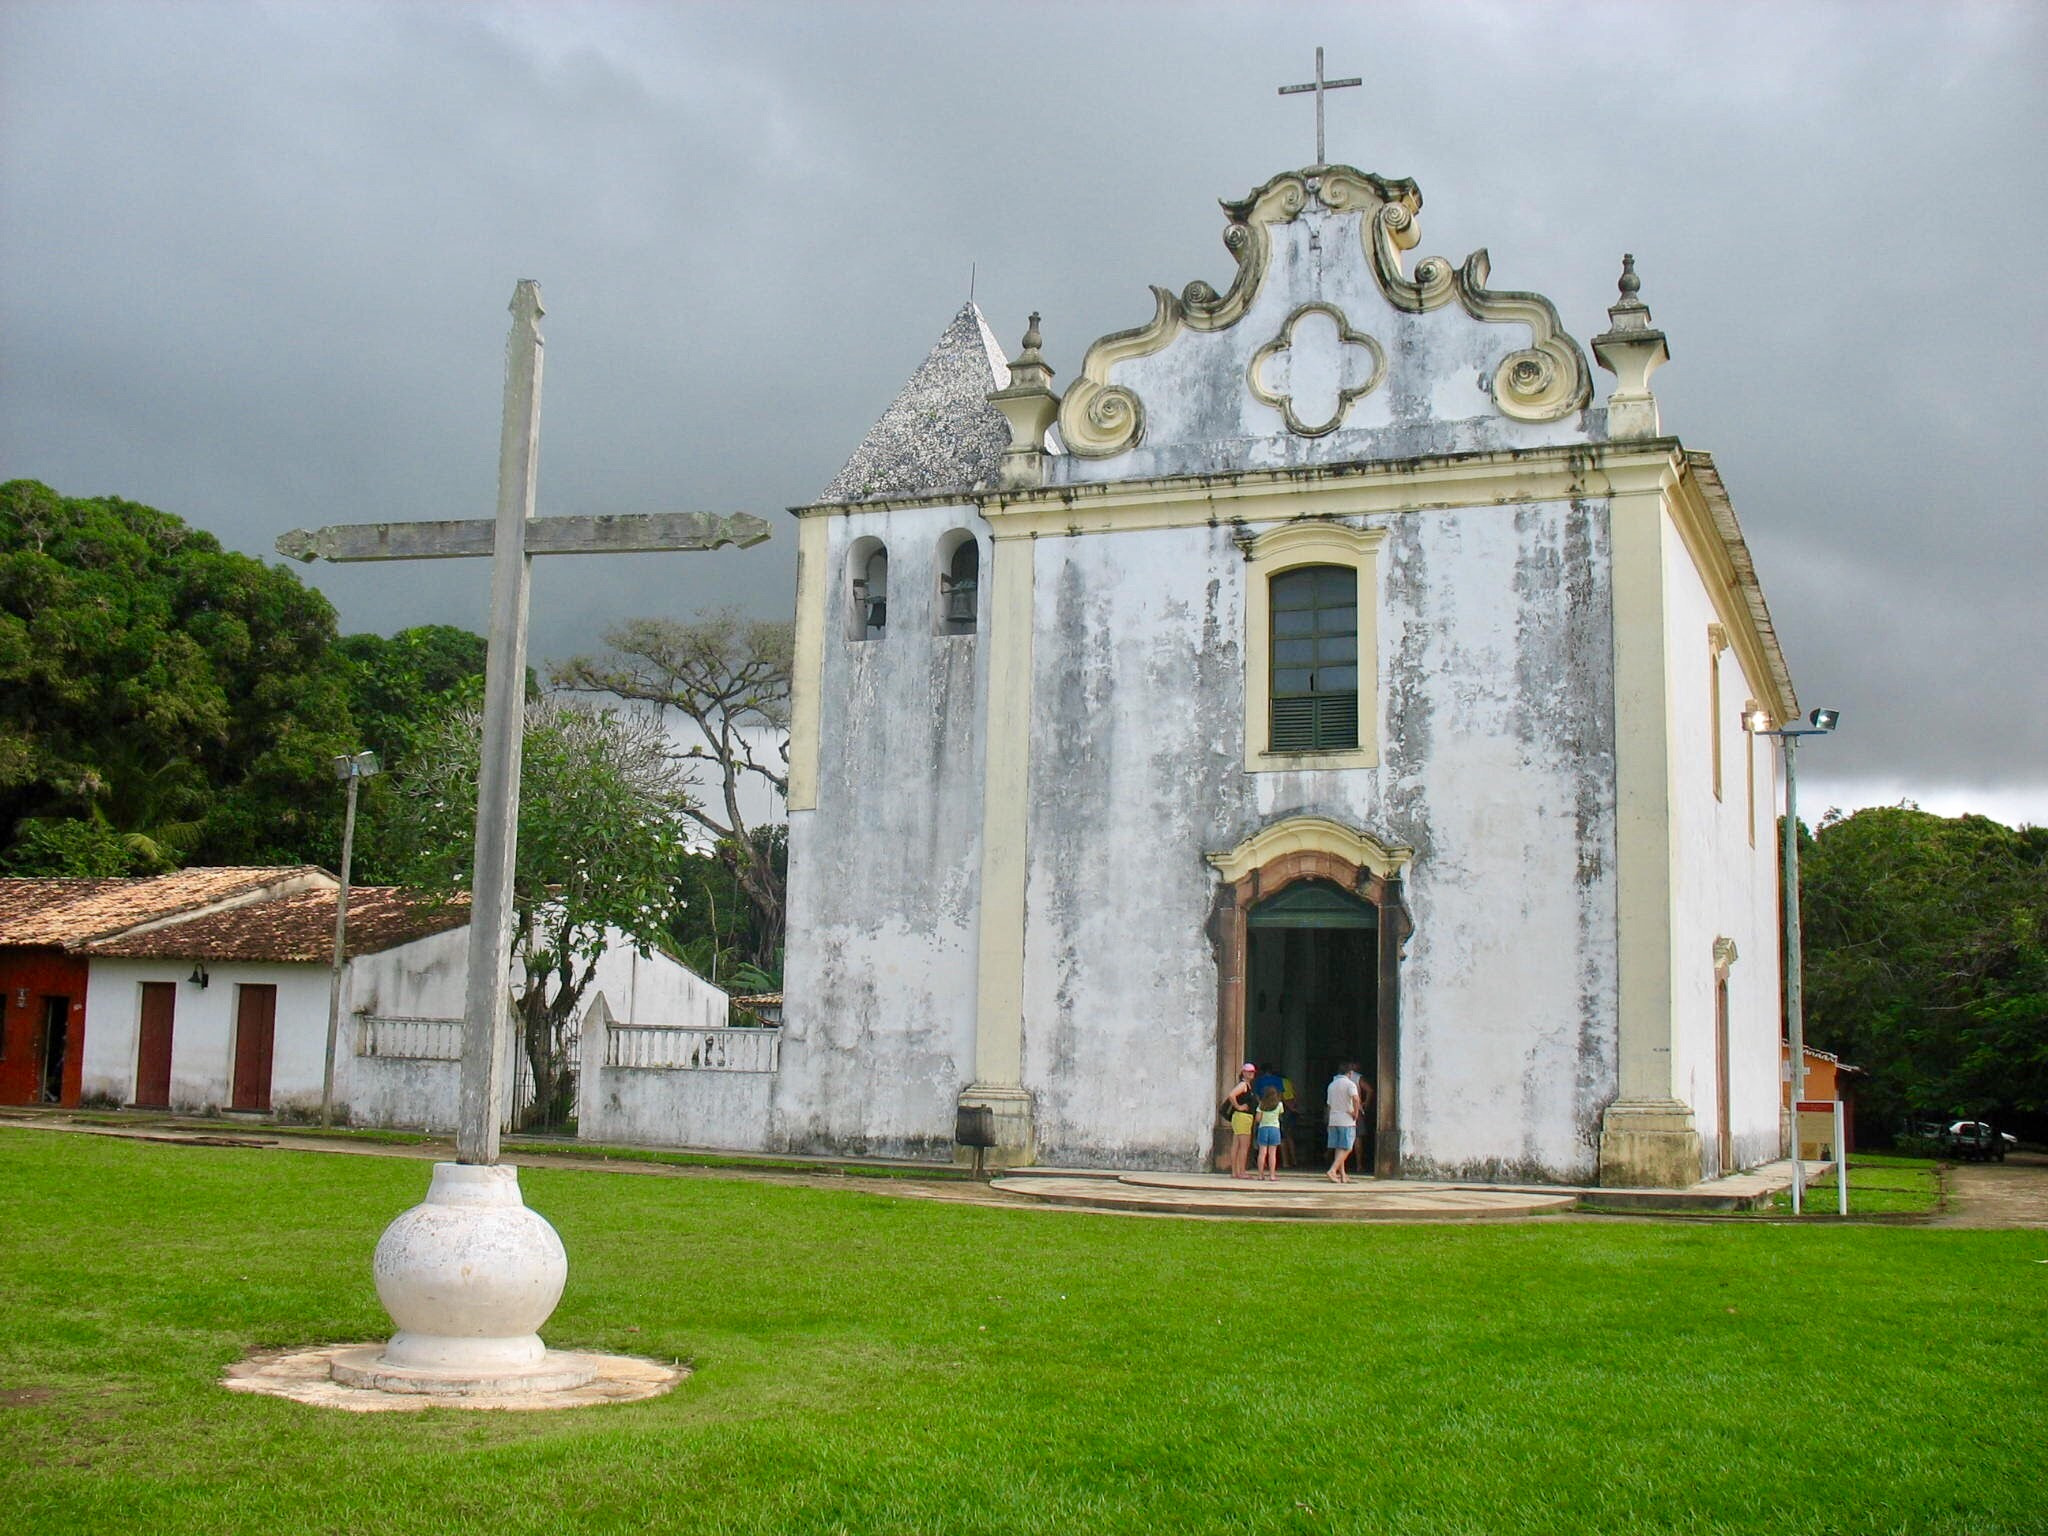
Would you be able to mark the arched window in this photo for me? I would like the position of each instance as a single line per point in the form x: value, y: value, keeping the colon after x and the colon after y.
x: 1315, y: 659
x: 959, y: 583
x: 867, y: 571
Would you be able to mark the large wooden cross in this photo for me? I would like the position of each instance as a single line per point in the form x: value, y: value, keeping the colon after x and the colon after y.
x: 511, y: 540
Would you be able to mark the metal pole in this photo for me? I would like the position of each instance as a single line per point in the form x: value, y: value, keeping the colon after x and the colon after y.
x: 1795, y: 1021
x: 1841, y: 1159
x: 348, y: 840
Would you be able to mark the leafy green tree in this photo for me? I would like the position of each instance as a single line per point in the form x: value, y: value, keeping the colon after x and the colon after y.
x: 601, y: 833
x: 716, y: 931
x: 176, y: 694
x: 400, y: 690
x: 728, y: 676
x: 1927, y: 963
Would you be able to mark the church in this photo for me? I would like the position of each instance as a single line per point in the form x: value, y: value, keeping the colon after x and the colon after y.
x: 1323, y: 675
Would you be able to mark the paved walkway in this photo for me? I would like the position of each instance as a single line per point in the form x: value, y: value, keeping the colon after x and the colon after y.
x: 1291, y: 1196
x: 2013, y: 1193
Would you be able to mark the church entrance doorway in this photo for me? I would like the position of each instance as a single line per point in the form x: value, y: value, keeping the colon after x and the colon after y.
x: 1311, y: 1003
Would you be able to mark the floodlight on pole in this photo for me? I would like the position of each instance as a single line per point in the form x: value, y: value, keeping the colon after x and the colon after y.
x: 351, y: 771
x: 1820, y: 723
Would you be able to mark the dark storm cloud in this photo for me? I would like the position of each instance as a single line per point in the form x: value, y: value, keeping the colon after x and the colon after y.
x: 256, y: 260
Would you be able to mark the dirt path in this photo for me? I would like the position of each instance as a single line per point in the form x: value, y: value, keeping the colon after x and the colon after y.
x: 2013, y: 1193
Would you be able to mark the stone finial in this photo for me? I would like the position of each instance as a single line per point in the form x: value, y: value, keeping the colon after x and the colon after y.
x: 1631, y: 349
x: 1029, y: 405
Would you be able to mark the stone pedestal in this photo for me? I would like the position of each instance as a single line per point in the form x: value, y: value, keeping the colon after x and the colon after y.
x: 469, y: 1275
x: 1649, y: 1144
x: 1016, y: 1126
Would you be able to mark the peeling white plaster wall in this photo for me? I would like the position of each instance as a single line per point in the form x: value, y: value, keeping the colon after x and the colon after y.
x: 1496, y: 707
x: 879, y: 980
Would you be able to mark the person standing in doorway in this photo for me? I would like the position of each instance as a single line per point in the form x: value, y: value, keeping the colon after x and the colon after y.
x: 1345, y: 1105
x: 1269, y: 1133
x: 1241, y: 1105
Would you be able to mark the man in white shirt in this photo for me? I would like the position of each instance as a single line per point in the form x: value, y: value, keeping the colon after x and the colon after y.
x: 1346, y: 1103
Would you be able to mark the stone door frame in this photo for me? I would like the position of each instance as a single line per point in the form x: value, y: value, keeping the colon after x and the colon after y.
x: 1263, y: 865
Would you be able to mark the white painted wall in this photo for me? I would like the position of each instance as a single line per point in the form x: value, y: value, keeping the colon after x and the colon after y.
x: 203, y: 1029
x: 423, y: 979
x: 878, y: 1023
x: 1496, y: 710
x: 1722, y: 886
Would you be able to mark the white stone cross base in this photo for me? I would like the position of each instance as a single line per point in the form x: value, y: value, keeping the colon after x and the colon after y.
x: 469, y: 1275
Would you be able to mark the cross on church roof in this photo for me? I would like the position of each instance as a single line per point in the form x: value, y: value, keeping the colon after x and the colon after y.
x: 1319, y: 85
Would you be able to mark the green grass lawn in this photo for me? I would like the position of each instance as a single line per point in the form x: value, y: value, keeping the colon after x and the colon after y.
x: 1879, y: 1184
x: 874, y: 1364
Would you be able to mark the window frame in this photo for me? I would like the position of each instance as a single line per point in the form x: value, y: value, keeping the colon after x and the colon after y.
x: 1273, y: 553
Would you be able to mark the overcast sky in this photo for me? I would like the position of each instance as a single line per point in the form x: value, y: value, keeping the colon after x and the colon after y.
x: 254, y: 262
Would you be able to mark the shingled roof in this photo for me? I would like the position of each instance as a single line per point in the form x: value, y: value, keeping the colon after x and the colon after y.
x: 68, y: 913
x: 940, y: 433
x: 298, y: 927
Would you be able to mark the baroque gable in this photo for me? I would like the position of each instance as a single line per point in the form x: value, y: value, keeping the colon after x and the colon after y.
x: 1326, y: 348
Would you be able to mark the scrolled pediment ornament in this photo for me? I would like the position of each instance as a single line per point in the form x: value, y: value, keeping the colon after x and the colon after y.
x: 1544, y: 381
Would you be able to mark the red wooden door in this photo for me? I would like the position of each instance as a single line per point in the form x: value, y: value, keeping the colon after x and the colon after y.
x: 153, y: 1052
x: 255, y: 1031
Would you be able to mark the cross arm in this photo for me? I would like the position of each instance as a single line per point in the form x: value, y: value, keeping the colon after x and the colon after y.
x: 630, y: 534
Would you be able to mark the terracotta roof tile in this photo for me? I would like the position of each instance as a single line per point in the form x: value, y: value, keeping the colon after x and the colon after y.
x: 298, y: 927
x: 67, y: 913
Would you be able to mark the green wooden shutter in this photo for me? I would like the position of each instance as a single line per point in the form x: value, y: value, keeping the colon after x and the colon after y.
x: 1314, y: 659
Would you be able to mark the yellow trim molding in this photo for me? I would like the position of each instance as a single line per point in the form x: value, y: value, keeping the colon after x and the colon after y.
x: 1346, y: 336
x: 1286, y: 548
x: 1317, y: 834
x: 813, y: 543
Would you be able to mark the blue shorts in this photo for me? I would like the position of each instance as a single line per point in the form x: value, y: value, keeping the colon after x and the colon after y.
x: 1269, y: 1136
x: 1343, y: 1137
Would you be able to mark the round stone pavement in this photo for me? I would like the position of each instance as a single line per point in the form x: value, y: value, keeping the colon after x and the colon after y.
x: 1300, y: 1196
x: 307, y: 1376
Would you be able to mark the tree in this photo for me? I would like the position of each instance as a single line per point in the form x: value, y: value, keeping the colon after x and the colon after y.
x: 400, y: 691
x: 715, y: 931
x: 729, y: 677
x: 1927, y: 962
x: 600, y: 832
x: 177, y: 695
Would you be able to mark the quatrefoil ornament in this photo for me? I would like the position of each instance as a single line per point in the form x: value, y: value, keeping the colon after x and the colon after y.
x: 1316, y: 364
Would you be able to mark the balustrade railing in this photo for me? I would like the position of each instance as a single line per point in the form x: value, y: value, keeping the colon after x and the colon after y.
x: 404, y: 1039
x: 672, y: 1048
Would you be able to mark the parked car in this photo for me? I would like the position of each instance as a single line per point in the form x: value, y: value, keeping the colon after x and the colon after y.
x: 1975, y: 1142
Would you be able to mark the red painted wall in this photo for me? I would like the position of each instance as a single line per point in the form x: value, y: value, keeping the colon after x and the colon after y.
x: 27, y: 976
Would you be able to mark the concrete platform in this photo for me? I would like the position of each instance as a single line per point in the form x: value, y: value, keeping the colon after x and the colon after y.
x: 320, y: 1376
x: 1308, y: 1196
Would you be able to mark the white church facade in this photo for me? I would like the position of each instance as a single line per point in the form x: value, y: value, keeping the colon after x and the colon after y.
x: 1324, y: 675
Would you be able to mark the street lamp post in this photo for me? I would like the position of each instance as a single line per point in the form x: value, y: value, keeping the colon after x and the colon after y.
x: 351, y: 771
x: 1821, y: 722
